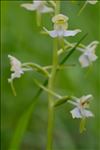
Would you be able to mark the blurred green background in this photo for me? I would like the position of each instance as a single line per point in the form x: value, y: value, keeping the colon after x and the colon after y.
x: 21, y: 38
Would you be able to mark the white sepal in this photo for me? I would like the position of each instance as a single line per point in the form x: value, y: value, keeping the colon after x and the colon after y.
x: 92, y: 1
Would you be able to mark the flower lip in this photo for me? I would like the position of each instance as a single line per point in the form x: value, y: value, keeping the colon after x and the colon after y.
x: 60, y: 18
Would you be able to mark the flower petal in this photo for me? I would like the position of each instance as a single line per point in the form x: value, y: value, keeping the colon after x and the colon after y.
x: 14, y: 62
x: 84, y: 61
x: 87, y: 113
x: 93, y: 57
x: 53, y: 33
x: 30, y: 7
x: 92, y: 44
x: 92, y: 1
x: 16, y: 68
x: 71, y: 32
x: 46, y: 9
x: 86, y: 98
x: 60, y: 33
x: 76, y: 113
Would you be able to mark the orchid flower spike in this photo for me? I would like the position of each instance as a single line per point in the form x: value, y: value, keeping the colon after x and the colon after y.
x: 81, y: 104
x: 38, y: 5
x: 60, y: 27
x: 91, y: 1
x: 88, y: 55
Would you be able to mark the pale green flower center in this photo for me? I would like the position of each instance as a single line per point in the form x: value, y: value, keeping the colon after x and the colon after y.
x: 60, y: 22
x: 63, y: 26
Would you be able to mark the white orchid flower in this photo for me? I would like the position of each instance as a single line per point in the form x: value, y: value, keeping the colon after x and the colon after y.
x: 17, y: 71
x: 16, y: 68
x: 91, y: 1
x: 38, y: 5
x: 61, y: 26
x: 88, y: 55
x: 81, y: 104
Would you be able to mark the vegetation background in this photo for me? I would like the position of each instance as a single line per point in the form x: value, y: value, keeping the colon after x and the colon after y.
x: 21, y: 38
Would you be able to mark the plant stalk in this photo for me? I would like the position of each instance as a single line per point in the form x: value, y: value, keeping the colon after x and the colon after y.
x: 51, y: 97
x: 51, y: 87
x: 57, y: 10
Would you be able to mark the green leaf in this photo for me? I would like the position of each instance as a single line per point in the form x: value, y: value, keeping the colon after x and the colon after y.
x: 23, y: 122
x: 21, y: 128
x: 61, y: 101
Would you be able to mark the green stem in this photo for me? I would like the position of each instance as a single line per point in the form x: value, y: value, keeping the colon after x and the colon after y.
x: 51, y: 87
x: 36, y: 67
x: 38, y: 18
x: 13, y: 89
x: 51, y: 98
x: 82, y: 8
x: 57, y: 10
x: 46, y: 89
